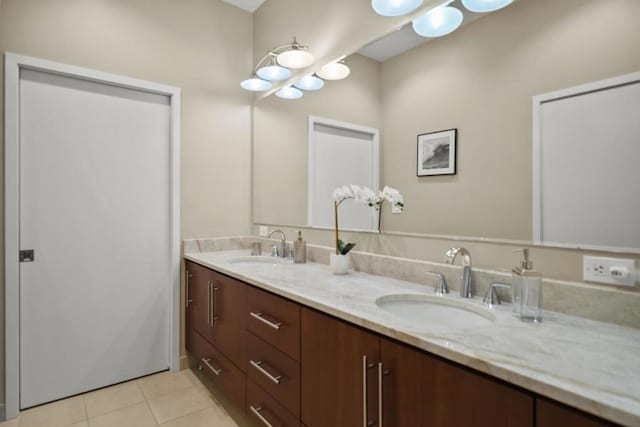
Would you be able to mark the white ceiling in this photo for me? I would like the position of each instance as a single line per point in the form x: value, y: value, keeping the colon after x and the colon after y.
x: 248, y: 5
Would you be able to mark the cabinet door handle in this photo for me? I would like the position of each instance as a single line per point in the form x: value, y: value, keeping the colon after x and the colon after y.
x: 259, y: 316
x: 258, y: 413
x: 380, y: 397
x: 189, y: 300
x: 209, y: 303
x: 217, y: 372
x: 214, y: 311
x: 365, y: 388
x: 258, y: 365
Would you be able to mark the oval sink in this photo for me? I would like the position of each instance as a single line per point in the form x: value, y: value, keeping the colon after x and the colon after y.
x: 256, y: 260
x: 436, y: 310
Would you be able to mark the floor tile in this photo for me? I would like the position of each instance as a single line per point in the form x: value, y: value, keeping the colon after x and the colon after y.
x: 193, y: 378
x: 57, y: 414
x: 80, y: 424
x: 10, y: 423
x: 210, y: 417
x: 177, y: 404
x: 164, y: 383
x: 112, y: 398
x: 133, y: 416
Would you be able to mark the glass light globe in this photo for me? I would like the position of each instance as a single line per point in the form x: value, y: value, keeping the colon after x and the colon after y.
x: 289, y: 92
x: 309, y: 82
x: 334, y: 71
x: 482, y: 6
x: 255, y: 84
x: 295, y: 58
x: 395, y: 7
x: 438, y: 22
x: 273, y: 73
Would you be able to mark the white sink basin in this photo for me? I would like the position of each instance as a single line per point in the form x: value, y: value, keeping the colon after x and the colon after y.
x: 256, y: 260
x: 426, y: 310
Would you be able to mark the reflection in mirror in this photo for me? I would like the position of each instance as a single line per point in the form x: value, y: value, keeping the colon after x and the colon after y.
x: 341, y: 154
x: 480, y: 80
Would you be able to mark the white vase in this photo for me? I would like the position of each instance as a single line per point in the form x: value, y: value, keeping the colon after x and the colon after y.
x: 340, y: 263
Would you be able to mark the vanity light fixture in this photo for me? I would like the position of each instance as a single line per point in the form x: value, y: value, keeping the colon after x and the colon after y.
x: 438, y: 22
x: 395, y: 7
x: 289, y: 92
x: 254, y: 84
x: 276, y: 66
x: 483, y: 6
x: 336, y: 70
x: 310, y: 82
x: 273, y: 72
x: 295, y: 56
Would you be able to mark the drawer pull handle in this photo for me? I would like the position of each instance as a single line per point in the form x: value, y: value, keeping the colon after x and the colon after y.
x: 260, y: 317
x: 188, y: 298
x: 258, y: 365
x: 216, y: 372
x: 257, y: 412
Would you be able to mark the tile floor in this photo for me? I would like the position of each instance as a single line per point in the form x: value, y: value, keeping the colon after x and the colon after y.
x: 171, y: 399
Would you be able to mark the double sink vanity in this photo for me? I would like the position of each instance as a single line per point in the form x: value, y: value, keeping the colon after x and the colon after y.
x: 294, y: 345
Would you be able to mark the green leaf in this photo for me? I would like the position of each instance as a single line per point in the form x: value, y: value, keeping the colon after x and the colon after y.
x: 344, y: 249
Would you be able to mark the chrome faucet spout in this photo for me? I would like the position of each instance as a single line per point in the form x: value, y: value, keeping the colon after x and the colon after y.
x: 465, y: 278
x: 282, y: 253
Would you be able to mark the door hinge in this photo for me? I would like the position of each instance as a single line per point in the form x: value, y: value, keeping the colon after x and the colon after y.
x: 27, y: 255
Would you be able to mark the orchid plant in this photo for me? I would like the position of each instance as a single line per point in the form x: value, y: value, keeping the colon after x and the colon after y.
x: 363, y: 195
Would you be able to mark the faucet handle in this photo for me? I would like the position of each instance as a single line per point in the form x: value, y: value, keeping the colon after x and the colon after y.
x: 441, y: 285
x: 491, y: 298
x: 274, y: 251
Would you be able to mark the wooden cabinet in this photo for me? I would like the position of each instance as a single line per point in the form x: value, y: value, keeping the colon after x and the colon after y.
x: 347, y: 372
x: 227, y: 317
x: 554, y: 414
x: 338, y: 372
x: 288, y: 365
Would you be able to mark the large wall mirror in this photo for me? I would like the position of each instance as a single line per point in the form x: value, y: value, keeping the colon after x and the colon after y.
x: 480, y: 80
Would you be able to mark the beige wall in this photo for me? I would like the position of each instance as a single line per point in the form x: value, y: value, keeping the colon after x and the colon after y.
x: 201, y: 46
x: 280, y: 138
x: 481, y: 80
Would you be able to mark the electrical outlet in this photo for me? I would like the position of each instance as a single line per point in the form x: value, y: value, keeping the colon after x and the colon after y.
x: 263, y: 230
x: 395, y: 209
x: 611, y: 271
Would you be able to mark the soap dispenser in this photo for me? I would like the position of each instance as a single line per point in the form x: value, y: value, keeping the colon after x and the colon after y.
x: 527, y: 290
x: 299, y: 250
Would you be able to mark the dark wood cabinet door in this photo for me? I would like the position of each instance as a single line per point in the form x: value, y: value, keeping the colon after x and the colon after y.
x: 455, y: 396
x: 554, y: 414
x: 197, y: 293
x: 228, y: 317
x: 338, y: 372
x: 403, y: 385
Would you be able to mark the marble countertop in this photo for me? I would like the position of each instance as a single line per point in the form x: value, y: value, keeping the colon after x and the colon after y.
x: 593, y: 366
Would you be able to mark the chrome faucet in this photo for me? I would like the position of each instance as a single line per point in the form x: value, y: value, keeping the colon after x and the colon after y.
x: 465, y: 278
x: 282, y: 253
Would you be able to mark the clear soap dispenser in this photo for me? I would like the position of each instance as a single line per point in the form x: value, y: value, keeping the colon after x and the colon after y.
x: 527, y: 290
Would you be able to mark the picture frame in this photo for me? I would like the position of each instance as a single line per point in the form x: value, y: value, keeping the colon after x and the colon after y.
x: 437, y: 153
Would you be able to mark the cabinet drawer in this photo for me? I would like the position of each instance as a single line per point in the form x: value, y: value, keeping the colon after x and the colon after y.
x: 275, y: 320
x: 275, y: 372
x: 266, y: 409
x: 223, y: 373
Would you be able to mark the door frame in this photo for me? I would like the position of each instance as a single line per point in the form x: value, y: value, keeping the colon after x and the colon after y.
x: 13, y: 63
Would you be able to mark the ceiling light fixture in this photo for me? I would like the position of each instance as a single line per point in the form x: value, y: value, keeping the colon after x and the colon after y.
x: 438, y: 22
x: 483, y: 6
x: 289, y: 92
x: 276, y: 66
x: 336, y: 70
x: 310, y: 82
x: 395, y: 7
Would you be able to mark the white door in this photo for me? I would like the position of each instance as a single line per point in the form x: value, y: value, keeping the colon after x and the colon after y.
x: 95, y: 208
x: 341, y: 154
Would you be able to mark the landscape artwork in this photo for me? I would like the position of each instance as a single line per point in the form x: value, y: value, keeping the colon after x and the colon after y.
x: 437, y: 153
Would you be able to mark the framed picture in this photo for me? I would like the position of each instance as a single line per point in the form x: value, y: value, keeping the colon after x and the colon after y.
x: 437, y: 153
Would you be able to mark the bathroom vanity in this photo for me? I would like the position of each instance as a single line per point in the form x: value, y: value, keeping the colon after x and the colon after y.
x: 294, y: 345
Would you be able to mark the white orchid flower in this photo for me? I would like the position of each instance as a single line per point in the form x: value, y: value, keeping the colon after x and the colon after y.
x: 393, y: 196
